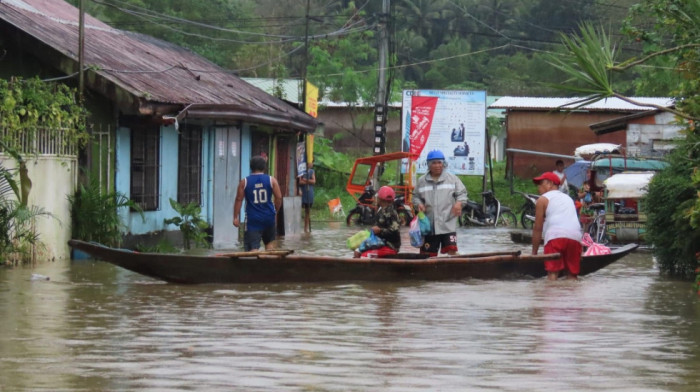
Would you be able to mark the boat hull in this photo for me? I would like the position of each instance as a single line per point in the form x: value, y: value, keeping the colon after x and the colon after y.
x: 267, y: 268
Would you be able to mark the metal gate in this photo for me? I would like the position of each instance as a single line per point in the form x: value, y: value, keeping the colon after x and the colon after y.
x: 101, y: 156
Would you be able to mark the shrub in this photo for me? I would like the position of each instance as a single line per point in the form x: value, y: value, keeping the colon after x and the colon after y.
x: 670, y: 195
x: 95, y: 214
x: 190, y: 223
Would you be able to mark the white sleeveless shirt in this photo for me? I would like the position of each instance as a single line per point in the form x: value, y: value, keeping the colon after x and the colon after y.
x: 560, y: 220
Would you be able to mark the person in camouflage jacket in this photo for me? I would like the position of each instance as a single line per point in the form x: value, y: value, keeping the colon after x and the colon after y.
x: 387, y: 226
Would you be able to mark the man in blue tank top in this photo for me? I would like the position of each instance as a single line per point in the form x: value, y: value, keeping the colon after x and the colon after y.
x: 258, y: 189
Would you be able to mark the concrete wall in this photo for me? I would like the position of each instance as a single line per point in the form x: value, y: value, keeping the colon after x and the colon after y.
x: 652, y: 136
x: 53, y: 180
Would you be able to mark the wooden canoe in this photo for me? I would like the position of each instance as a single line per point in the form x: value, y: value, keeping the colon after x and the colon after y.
x: 285, y: 266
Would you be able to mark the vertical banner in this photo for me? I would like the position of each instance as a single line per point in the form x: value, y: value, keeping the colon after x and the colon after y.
x: 309, y: 148
x: 453, y: 122
x: 311, y: 100
x: 422, y: 111
x: 301, y: 158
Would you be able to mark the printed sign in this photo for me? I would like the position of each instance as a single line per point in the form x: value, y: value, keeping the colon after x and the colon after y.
x: 453, y: 122
x: 301, y: 159
x: 311, y: 104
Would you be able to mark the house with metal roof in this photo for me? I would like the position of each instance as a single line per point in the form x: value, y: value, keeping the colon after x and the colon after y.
x: 559, y: 125
x: 166, y: 123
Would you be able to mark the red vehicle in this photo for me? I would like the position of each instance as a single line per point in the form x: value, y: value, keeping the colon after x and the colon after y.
x: 360, y: 186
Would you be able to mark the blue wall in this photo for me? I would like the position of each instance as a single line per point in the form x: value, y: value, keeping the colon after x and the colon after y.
x: 168, y: 180
x: 168, y: 177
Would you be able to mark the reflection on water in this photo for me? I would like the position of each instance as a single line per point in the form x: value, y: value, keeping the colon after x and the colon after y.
x: 98, y: 327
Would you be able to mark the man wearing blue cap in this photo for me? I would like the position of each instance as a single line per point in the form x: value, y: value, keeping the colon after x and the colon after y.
x: 440, y: 195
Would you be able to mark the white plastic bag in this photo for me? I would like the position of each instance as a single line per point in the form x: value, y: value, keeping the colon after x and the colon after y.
x: 414, y: 233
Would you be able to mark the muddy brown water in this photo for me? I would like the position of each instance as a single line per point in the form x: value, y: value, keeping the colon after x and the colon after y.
x: 96, y: 327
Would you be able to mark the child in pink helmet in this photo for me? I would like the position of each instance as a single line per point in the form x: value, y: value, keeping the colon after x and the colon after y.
x: 387, y: 225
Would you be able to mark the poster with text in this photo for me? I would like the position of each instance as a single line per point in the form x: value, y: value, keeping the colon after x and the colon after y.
x: 301, y: 159
x: 453, y: 122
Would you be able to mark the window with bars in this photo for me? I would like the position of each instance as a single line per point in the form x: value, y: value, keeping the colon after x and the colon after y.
x: 145, y: 165
x: 189, y: 165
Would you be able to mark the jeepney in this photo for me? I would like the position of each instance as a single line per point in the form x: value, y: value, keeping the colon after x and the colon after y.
x: 625, y: 220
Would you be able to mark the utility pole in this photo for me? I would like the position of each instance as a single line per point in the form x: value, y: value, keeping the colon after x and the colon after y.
x: 380, y: 106
x: 306, y: 58
x: 81, y: 49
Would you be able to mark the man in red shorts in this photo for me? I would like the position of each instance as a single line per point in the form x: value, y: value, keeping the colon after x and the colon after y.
x: 555, y: 216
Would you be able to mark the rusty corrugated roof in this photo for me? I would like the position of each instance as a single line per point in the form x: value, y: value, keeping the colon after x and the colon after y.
x: 157, y: 74
x: 551, y: 103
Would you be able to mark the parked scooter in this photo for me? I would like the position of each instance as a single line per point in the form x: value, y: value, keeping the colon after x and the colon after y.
x: 490, y: 213
x: 365, y: 210
x: 527, y: 211
x: 363, y: 213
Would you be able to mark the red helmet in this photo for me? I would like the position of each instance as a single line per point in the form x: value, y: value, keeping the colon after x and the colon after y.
x: 386, y: 193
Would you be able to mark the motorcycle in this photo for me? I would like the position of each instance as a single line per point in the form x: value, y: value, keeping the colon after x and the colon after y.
x: 527, y: 210
x: 490, y: 213
x: 363, y: 213
x: 365, y: 210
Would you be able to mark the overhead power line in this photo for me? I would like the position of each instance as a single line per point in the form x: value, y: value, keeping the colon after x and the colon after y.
x: 158, y: 19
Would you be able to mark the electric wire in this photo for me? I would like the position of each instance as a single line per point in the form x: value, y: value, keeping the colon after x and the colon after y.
x: 151, y: 17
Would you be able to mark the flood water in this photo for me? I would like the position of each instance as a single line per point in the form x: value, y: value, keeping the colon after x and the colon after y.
x: 97, y: 327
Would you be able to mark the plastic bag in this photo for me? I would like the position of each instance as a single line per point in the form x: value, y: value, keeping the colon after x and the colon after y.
x: 373, y: 242
x: 594, y: 248
x: 357, y: 239
x: 414, y: 233
x: 424, y: 222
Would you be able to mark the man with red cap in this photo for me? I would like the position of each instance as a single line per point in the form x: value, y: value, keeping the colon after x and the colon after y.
x: 555, y: 216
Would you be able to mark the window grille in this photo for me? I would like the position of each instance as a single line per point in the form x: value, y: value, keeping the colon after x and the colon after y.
x: 189, y: 170
x: 145, y: 166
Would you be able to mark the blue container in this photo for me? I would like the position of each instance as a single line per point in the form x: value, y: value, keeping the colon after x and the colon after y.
x: 77, y: 254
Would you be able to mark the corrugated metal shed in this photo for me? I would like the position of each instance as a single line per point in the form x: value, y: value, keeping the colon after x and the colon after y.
x: 609, y: 104
x: 143, y: 74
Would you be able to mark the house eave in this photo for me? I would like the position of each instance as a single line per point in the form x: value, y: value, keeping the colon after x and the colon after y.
x: 234, y: 113
x: 618, y: 124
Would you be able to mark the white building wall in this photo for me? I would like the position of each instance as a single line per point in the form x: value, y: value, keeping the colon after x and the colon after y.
x: 53, y: 180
